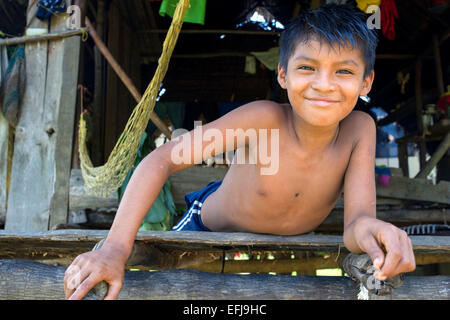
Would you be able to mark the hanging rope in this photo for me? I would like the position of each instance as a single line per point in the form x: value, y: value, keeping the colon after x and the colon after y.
x: 106, y: 179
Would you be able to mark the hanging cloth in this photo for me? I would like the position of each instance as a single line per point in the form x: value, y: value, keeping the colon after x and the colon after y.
x: 13, y: 86
x: 48, y: 7
x: 388, y: 15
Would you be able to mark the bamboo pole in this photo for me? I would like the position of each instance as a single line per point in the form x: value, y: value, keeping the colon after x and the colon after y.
x: 125, y: 78
x: 43, y: 37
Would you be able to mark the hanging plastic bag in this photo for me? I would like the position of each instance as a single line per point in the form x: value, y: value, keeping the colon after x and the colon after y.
x: 195, y: 14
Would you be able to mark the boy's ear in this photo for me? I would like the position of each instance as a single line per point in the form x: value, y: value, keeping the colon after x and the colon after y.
x: 281, y: 76
x: 367, y: 84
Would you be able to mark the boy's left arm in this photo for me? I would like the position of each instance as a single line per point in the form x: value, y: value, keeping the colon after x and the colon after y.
x: 389, y: 247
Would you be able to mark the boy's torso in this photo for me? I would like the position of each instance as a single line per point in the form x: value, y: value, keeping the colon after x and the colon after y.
x: 295, y: 200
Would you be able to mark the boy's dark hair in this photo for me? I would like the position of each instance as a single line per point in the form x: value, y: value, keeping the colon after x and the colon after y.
x: 331, y: 24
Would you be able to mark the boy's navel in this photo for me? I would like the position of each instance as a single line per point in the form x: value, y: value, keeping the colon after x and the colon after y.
x: 297, y: 194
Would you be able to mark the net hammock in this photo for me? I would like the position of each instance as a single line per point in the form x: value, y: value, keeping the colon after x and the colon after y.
x: 106, y: 179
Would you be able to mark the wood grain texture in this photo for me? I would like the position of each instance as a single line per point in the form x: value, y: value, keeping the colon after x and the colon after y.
x: 31, y: 178
x: 26, y: 280
x: 39, y: 192
x: 196, y: 240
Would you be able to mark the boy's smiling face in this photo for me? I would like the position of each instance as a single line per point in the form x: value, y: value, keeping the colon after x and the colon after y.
x: 323, y: 83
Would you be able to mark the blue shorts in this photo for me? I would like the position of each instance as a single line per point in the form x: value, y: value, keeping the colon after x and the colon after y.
x: 192, y: 221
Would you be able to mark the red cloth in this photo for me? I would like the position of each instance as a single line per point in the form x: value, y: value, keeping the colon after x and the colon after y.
x: 388, y: 15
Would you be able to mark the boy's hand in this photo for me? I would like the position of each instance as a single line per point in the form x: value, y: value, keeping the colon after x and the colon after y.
x: 92, y: 267
x: 373, y: 235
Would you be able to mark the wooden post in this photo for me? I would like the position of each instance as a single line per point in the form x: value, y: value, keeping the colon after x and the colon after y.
x: 402, y: 148
x: 27, y: 176
x: 75, y: 155
x: 98, y: 111
x: 39, y: 193
x: 4, y: 138
x: 437, y: 59
x: 419, y: 107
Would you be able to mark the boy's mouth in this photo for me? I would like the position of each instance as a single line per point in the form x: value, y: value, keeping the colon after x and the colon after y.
x: 321, y: 102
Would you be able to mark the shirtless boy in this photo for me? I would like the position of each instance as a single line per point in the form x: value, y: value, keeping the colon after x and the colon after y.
x: 324, y: 148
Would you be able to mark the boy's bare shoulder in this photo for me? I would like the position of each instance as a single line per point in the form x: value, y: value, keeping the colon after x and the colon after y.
x: 268, y: 114
x: 358, y: 125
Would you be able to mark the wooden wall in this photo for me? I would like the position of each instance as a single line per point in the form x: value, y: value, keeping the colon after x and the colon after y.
x: 124, y: 46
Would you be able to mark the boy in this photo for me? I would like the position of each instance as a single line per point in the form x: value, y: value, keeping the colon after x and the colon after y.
x: 323, y: 148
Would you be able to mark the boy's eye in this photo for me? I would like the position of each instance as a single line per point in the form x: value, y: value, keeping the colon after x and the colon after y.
x: 345, y: 71
x: 306, y: 68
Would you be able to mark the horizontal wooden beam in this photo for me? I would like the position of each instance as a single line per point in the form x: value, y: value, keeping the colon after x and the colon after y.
x: 154, y: 56
x: 77, y: 241
x: 216, y: 31
x: 415, y: 189
x: 35, y: 281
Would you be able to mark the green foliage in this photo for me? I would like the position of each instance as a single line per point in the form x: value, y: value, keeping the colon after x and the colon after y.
x: 160, y: 216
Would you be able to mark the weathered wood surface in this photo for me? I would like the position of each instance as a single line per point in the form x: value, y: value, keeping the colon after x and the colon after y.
x: 29, y: 182
x: 79, y: 200
x: 61, y: 94
x: 39, y: 193
x: 26, y: 280
x: 415, y: 189
x: 69, y: 243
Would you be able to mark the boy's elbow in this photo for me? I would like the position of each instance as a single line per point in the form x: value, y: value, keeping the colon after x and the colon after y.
x: 159, y: 161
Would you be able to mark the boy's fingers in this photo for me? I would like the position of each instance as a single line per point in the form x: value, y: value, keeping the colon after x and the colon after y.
x: 68, y: 292
x: 408, y: 261
x: 393, y: 257
x: 84, y: 287
x: 374, y: 251
x: 113, y: 291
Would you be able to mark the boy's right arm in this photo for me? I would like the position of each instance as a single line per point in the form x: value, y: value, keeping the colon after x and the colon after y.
x: 108, y: 262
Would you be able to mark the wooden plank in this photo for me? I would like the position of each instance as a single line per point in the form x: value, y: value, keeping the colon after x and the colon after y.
x: 36, y: 281
x: 399, y: 217
x: 79, y: 200
x: 31, y: 180
x: 415, y: 189
x: 43, y: 148
x: 208, y: 240
x: 60, y: 105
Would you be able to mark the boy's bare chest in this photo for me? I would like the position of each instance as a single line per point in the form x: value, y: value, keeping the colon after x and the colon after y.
x: 303, y: 183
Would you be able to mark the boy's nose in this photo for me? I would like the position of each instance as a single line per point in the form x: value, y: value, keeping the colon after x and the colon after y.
x: 323, y: 83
